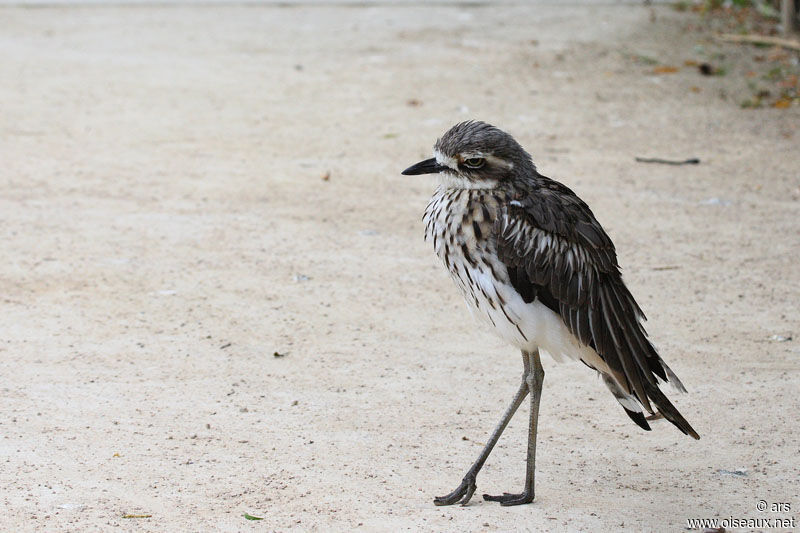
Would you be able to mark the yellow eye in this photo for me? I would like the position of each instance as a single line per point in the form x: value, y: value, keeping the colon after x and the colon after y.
x: 474, y: 162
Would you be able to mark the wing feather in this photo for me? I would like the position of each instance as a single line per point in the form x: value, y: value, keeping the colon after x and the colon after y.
x: 555, y: 250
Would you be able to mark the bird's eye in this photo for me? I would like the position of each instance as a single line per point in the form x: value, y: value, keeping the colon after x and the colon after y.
x: 475, y: 162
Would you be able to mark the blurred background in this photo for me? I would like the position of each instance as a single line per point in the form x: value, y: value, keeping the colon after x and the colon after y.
x: 215, y: 299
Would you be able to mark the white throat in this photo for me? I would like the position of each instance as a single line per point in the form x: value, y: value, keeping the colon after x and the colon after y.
x: 450, y: 180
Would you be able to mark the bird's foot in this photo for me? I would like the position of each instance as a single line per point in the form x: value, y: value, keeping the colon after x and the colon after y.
x: 462, y: 494
x: 511, y: 499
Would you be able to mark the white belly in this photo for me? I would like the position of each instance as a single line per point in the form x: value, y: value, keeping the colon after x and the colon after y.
x: 528, y: 326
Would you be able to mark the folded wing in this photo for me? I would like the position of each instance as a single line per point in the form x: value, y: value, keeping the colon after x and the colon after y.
x: 555, y: 250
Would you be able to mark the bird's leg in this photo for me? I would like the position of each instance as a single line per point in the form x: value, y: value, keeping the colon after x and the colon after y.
x: 535, y: 380
x: 466, y: 489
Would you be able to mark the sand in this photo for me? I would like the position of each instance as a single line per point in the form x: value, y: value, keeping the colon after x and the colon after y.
x: 216, y: 299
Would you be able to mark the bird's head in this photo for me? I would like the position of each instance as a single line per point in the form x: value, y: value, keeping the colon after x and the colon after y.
x: 475, y: 155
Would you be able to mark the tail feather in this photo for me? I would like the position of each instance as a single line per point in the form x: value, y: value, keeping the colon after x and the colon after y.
x: 669, y: 411
x: 637, y: 417
x: 672, y: 379
x: 634, y: 409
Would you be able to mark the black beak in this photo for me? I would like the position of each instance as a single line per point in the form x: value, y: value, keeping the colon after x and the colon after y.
x: 429, y: 166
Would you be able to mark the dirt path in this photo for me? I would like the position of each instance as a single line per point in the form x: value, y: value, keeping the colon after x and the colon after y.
x: 167, y: 231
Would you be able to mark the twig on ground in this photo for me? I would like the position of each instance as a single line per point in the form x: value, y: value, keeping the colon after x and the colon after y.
x: 692, y: 161
x: 760, y: 39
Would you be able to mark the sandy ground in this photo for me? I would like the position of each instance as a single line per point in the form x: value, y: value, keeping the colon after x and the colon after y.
x: 166, y: 230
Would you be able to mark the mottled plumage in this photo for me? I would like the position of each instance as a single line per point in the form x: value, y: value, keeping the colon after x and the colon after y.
x: 536, y: 266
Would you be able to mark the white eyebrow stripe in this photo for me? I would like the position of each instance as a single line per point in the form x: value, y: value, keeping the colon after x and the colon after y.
x: 445, y: 160
x: 499, y: 162
x: 452, y: 162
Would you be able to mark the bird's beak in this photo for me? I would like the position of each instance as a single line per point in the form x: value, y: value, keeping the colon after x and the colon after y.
x: 429, y: 166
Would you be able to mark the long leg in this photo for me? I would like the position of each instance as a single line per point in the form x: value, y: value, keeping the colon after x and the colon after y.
x: 466, y: 489
x: 535, y: 380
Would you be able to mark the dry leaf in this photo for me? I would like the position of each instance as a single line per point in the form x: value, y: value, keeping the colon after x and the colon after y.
x: 690, y: 63
x: 665, y: 69
x: 783, y: 103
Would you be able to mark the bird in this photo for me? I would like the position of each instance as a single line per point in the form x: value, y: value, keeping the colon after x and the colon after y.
x: 535, y: 265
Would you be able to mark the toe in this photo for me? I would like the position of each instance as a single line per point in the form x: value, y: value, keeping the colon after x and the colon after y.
x: 468, y: 496
x: 510, y: 499
x: 519, y: 499
x: 462, y: 494
x: 505, y: 496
